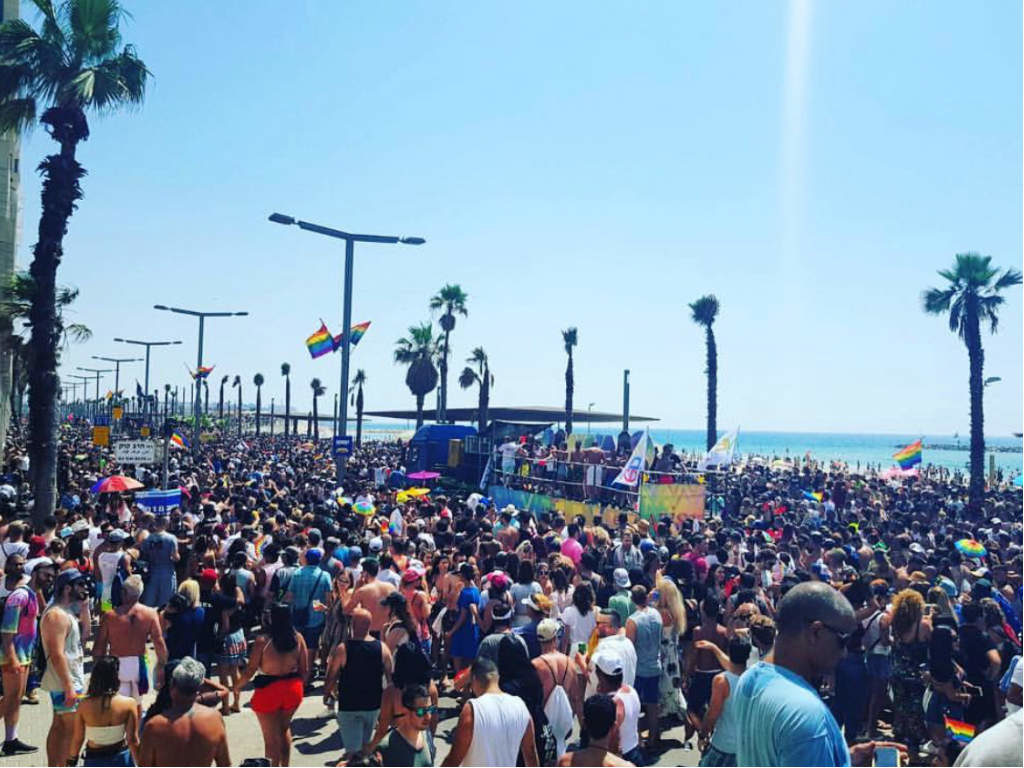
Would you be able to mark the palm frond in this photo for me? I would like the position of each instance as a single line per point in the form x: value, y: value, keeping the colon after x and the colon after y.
x: 93, y: 28
x: 704, y: 310
x: 77, y: 333
x: 286, y: 369
x: 935, y: 301
x: 1009, y: 278
x: 468, y: 378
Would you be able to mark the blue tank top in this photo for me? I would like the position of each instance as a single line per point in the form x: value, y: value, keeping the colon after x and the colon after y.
x: 648, y: 642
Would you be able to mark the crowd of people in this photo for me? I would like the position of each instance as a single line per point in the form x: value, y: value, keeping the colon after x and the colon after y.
x: 813, y: 616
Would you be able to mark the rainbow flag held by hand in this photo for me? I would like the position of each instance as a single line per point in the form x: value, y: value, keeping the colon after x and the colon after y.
x: 909, y: 456
x: 959, y: 730
x: 178, y: 439
x: 814, y: 496
x: 355, y: 334
x: 321, y: 342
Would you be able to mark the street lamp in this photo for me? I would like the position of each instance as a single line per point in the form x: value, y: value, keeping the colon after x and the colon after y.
x: 84, y: 382
x: 197, y: 406
x: 117, y: 367
x: 147, y: 345
x: 350, y: 239
x: 589, y: 406
x: 97, y: 372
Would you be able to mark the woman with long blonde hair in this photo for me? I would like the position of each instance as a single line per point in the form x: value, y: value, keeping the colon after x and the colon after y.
x: 669, y: 603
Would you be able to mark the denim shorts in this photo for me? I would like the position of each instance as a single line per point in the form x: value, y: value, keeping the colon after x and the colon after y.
x: 879, y: 666
x: 647, y: 688
x: 59, y: 707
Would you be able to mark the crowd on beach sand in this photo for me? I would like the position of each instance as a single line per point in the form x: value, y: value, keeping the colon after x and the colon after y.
x: 815, y: 614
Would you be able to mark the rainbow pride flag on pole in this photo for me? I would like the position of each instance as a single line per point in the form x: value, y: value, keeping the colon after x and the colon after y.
x: 203, y: 372
x: 320, y: 343
x: 959, y: 730
x: 909, y: 456
x: 355, y: 334
x: 178, y: 439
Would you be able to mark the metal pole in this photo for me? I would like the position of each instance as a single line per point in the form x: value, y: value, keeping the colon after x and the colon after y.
x: 167, y: 450
x: 145, y: 403
x: 625, y: 400
x: 346, y: 323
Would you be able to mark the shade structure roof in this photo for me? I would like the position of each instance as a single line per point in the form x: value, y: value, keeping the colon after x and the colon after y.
x: 529, y: 414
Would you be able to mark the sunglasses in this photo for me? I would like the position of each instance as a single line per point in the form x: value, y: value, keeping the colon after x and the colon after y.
x: 842, y: 637
x: 424, y: 711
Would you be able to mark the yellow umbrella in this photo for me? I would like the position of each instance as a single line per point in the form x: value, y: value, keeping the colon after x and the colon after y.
x: 411, y: 493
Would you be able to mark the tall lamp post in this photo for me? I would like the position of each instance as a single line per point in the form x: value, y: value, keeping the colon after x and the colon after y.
x: 346, y: 321
x: 97, y: 372
x: 148, y: 345
x: 197, y: 405
x: 83, y: 381
x: 117, y: 367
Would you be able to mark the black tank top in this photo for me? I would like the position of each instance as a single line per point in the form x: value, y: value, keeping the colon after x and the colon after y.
x: 361, y: 683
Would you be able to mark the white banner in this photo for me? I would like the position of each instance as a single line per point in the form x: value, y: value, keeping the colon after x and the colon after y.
x: 722, y: 452
x: 630, y: 474
x: 135, y: 452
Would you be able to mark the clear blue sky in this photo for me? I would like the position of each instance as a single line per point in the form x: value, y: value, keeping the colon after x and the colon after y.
x: 590, y: 164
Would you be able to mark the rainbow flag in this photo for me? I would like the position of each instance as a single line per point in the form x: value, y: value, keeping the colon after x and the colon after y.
x: 203, y: 371
x: 178, y: 439
x: 320, y: 343
x: 356, y: 332
x: 959, y: 730
x: 814, y: 496
x: 909, y: 456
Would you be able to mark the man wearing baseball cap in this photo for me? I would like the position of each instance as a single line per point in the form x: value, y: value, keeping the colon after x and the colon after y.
x: 561, y: 679
x: 627, y: 705
x: 64, y: 677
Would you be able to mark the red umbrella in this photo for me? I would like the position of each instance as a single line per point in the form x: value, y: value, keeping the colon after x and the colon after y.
x: 115, y: 484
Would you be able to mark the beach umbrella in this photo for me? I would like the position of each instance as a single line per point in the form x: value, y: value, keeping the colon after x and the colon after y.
x: 971, y: 548
x: 364, y: 508
x: 411, y: 493
x: 424, y: 475
x: 115, y: 484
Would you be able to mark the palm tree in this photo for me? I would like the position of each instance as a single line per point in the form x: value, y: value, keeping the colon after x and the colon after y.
x: 71, y: 65
x: 357, y: 382
x: 318, y: 390
x: 286, y: 371
x: 452, y: 299
x: 569, y: 339
x: 220, y: 404
x: 483, y: 378
x: 703, y: 312
x: 258, y: 381
x: 238, y: 383
x: 972, y: 295
x: 167, y: 395
x: 418, y: 352
x: 15, y: 308
x: 206, y: 398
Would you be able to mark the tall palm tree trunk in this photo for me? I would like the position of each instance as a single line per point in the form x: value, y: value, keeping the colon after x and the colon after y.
x: 359, y: 416
x: 259, y: 405
x: 316, y: 420
x: 239, y: 411
x: 976, y: 358
x: 287, y: 403
x: 568, y: 395
x: 419, y: 411
x: 61, y: 191
x: 485, y: 399
x: 444, y: 379
x: 220, y: 405
x: 712, y: 351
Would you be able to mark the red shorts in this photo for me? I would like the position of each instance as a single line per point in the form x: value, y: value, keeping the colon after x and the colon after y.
x: 279, y: 696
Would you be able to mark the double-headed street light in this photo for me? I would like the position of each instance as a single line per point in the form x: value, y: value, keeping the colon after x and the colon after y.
x: 199, y: 360
x: 117, y: 368
x: 346, y: 321
x: 97, y: 372
x: 147, y: 345
x: 84, y: 382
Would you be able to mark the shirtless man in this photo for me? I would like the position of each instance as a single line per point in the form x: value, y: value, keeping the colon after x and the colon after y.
x: 562, y: 680
x: 368, y: 595
x: 598, y: 718
x: 124, y: 632
x: 185, y: 733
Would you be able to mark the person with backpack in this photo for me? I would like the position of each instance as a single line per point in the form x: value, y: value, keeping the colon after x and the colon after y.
x: 562, y: 681
x: 160, y: 551
x: 307, y: 591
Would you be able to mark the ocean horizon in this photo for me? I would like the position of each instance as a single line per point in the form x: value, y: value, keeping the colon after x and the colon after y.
x: 851, y: 447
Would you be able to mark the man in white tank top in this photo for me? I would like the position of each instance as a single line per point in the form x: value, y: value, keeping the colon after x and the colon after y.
x: 494, y: 726
x: 625, y: 740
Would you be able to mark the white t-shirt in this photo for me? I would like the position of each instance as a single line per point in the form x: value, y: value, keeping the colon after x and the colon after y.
x: 499, y: 724
x: 580, y: 627
x: 508, y: 452
x: 8, y: 548
x: 999, y: 745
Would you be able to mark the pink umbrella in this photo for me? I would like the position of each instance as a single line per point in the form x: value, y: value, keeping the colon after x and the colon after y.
x: 424, y: 475
x: 115, y: 484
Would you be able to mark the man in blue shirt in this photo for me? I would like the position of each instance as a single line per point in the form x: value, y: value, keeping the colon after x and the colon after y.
x: 782, y: 720
x: 308, y: 585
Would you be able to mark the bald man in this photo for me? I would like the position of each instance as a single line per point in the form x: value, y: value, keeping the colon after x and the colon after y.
x: 359, y: 666
x: 814, y: 621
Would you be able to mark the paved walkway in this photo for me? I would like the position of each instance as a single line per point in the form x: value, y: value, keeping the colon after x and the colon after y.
x: 314, y: 728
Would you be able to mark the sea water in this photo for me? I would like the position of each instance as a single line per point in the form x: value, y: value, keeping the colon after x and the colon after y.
x: 823, y: 446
